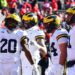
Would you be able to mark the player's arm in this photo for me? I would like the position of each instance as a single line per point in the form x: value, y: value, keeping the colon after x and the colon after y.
x: 63, y: 56
x: 24, y: 44
x: 41, y: 45
x: 63, y: 41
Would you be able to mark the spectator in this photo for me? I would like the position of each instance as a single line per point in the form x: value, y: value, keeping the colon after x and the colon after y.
x: 54, y: 5
x: 35, y: 7
x: 62, y: 4
x: 59, y: 4
x: 12, y: 5
x: 70, y: 3
x: 26, y: 7
x: 46, y: 5
x: 67, y: 3
x: 3, y: 4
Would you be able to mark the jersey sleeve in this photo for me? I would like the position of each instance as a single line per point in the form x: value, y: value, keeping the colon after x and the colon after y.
x: 62, y: 36
x: 39, y: 34
x: 21, y: 34
x: 24, y: 36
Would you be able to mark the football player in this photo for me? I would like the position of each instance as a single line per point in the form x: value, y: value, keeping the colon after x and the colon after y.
x: 36, y: 41
x: 58, y: 44
x: 71, y: 46
x: 12, y: 41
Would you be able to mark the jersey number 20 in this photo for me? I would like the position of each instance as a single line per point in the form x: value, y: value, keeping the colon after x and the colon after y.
x: 8, y: 44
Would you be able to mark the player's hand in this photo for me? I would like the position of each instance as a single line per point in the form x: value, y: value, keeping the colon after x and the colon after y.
x: 55, y: 70
x: 35, y: 70
x: 43, y: 53
x: 35, y: 44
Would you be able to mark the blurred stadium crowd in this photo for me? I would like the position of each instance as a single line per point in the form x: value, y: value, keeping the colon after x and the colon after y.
x: 40, y: 7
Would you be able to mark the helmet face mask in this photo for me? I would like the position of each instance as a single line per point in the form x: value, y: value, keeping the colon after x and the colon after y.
x: 29, y: 20
x: 49, y: 27
x: 26, y: 24
x: 11, y: 24
x: 68, y: 18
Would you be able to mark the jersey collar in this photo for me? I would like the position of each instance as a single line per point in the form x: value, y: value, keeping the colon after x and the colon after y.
x: 31, y: 29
